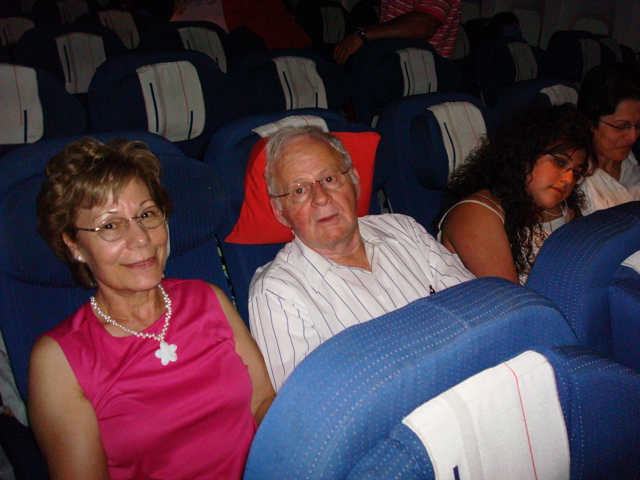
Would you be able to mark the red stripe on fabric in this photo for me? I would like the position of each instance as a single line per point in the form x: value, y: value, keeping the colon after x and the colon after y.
x: 15, y: 75
x: 524, y: 418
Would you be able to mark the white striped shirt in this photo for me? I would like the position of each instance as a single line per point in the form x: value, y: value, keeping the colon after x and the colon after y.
x: 301, y: 299
x: 604, y: 191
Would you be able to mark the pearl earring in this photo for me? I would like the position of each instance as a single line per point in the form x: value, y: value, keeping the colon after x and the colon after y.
x: 79, y: 258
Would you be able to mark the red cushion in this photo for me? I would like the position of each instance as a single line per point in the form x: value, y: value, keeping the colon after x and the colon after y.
x: 257, y: 224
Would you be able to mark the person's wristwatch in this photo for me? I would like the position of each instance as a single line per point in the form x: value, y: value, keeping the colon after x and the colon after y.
x: 362, y: 33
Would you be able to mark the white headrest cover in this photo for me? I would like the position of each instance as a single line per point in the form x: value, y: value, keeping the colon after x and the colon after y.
x: 560, y: 94
x: 524, y: 60
x: 301, y: 84
x: 80, y: 55
x: 333, y: 23
x: 12, y: 28
x: 503, y: 423
x: 173, y: 99
x: 123, y: 24
x: 72, y: 9
x: 418, y: 71
x: 205, y: 41
x: 462, y: 127
x: 20, y: 107
x: 591, y: 54
x: 291, y: 121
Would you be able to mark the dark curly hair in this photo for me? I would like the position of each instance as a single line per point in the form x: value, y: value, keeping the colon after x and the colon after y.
x: 84, y: 175
x: 505, y: 159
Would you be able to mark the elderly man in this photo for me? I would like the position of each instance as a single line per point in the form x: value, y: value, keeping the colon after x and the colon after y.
x: 339, y: 270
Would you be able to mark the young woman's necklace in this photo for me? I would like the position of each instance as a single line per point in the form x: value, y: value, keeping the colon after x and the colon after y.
x: 166, y: 353
x: 563, y: 210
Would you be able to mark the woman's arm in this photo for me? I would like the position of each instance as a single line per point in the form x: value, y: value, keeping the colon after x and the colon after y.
x: 478, y: 236
x: 62, y: 418
x: 246, y: 347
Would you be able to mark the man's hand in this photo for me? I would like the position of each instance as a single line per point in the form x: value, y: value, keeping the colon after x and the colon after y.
x: 346, y: 48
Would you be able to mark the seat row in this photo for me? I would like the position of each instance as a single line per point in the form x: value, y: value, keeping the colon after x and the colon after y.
x: 575, y: 271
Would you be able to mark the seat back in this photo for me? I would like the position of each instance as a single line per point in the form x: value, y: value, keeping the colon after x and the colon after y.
x: 29, y: 160
x: 12, y: 28
x: 355, y: 388
x: 576, y: 266
x: 517, y: 97
x: 201, y: 36
x: 31, y: 272
x: 624, y: 305
x: 387, y: 70
x: 279, y: 80
x: 182, y: 96
x: 229, y: 152
x: 507, y: 423
x: 505, y: 61
x: 423, y: 138
x: 35, y: 106
x: 572, y: 53
x: 71, y: 53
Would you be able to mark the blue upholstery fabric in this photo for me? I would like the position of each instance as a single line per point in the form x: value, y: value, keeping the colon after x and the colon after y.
x: 28, y: 160
x: 601, y: 413
x: 261, y: 87
x: 624, y: 306
x: 37, y: 290
x: 229, y: 152
x: 576, y: 266
x: 63, y: 114
x: 411, y: 145
x: 376, y: 75
x: 116, y: 100
x: 351, y: 391
x: 496, y: 69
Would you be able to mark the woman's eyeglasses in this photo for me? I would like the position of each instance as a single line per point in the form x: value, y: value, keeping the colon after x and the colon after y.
x: 623, y: 127
x: 115, y: 228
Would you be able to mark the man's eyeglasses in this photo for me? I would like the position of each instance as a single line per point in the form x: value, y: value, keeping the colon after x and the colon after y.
x: 300, y: 192
x: 623, y: 127
x: 115, y: 228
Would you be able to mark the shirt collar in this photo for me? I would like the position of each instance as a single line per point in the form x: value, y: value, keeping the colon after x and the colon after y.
x: 316, y: 266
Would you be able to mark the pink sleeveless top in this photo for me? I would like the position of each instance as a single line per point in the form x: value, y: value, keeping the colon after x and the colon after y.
x: 190, y: 419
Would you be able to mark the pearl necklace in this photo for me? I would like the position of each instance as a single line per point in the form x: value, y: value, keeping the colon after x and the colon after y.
x: 166, y: 353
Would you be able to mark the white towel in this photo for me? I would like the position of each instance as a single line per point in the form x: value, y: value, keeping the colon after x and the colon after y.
x: 205, y: 41
x: 591, y: 54
x: 80, y: 55
x: 123, y: 24
x: 333, y: 23
x: 173, y: 99
x: 462, y: 127
x: 561, y: 94
x: 20, y: 107
x: 301, y: 84
x: 524, y: 60
x: 291, y: 121
x: 418, y: 71
x: 12, y: 28
x: 503, y: 423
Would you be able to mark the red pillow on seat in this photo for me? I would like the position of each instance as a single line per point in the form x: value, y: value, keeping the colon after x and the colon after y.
x: 257, y: 224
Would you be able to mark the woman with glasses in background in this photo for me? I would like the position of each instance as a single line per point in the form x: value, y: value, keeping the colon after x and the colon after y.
x: 153, y: 377
x: 515, y: 189
x: 610, y: 99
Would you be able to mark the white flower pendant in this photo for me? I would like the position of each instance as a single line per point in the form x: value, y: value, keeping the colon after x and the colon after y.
x: 167, y: 353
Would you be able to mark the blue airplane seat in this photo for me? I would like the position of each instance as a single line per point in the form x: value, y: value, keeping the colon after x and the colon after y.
x: 349, y: 393
x: 577, y: 264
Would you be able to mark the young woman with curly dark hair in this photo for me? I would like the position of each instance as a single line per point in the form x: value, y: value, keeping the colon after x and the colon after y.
x: 516, y: 189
